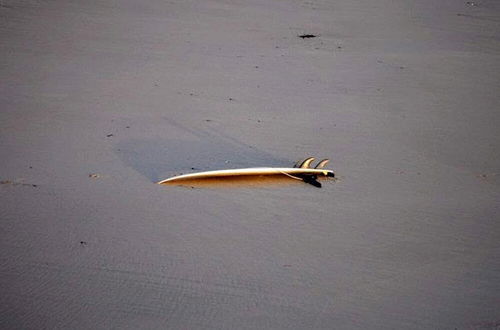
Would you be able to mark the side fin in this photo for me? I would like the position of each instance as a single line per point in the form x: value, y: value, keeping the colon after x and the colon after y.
x: 297, y: 164
x: 304, y: 162
x: 322, y: 163
x: 307, y: 162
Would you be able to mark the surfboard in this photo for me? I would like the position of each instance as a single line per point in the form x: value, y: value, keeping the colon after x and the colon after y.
x: 302, y: 171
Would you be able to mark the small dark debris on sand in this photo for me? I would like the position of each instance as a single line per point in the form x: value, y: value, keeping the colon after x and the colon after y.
x: 109, y: 135
x: 83, y: 243
x: 486, y: 176
x: 307, y: 36
x: 94, y: 175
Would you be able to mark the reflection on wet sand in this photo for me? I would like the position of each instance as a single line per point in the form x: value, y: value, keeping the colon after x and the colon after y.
x: 238, y: 181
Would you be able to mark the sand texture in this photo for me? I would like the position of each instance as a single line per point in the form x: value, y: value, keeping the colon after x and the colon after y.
x: 100, y: 99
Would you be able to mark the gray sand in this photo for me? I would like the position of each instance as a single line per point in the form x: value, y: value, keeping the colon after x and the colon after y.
x: 403, y: 96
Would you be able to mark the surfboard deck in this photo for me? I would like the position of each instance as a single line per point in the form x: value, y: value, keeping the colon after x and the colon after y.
x: 255, y: 171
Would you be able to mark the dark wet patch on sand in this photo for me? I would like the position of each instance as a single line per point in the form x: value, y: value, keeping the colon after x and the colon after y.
x: 14, y: 183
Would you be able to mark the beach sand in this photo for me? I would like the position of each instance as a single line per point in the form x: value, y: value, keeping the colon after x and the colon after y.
x: 101, y: 99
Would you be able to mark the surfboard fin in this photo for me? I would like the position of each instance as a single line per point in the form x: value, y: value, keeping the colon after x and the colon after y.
x: 307, y: 162
x: 304, y: 163
x: 322, y: 163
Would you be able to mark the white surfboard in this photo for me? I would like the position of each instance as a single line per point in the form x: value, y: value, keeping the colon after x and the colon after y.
x: 302, y: 171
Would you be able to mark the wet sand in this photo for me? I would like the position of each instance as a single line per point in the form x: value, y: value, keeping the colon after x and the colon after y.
x: 102, y: 99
